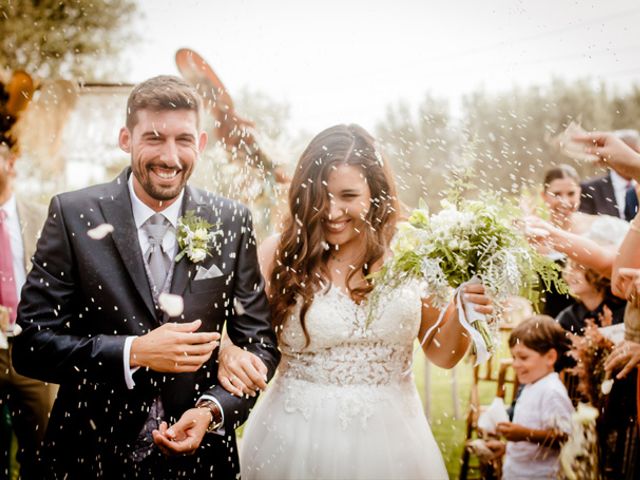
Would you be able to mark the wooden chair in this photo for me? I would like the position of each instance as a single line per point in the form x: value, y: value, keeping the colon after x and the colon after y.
x: 500, y: 373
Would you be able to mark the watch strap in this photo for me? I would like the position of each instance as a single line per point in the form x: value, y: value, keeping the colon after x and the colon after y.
x: 216, y: 414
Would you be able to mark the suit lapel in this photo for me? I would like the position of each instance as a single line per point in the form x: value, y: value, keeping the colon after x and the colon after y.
x: 184, y: 269
x: 117, y: 211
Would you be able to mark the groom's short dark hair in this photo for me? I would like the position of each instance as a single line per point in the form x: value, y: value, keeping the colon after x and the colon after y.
x: 164, y: 92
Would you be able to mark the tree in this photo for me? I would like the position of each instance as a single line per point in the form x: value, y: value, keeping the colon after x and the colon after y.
x: 236, y: 179
x: 63, y: 39
x: 420, y: 147
x: 511, y: 129
x: 627, y: 109
x: 503, y: 137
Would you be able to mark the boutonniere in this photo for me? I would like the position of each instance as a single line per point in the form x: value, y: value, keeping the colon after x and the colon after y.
x: 195, y: 237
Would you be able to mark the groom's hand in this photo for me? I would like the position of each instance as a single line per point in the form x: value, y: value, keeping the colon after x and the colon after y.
x: 174, y: 348
x: 185, y: 436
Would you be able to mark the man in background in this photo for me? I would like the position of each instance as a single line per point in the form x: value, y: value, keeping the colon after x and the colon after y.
x: 29, y: 401
x: 612, y: 194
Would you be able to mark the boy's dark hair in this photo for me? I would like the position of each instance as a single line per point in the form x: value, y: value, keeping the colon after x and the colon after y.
x: 541, y: 333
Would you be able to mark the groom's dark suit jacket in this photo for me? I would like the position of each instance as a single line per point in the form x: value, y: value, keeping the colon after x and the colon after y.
x: 85, y: 296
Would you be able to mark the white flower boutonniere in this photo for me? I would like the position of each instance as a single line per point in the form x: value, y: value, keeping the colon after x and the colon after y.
x: 195, y: 237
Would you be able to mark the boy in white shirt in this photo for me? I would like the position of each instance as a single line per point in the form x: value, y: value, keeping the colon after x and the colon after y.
x: 542, y: 415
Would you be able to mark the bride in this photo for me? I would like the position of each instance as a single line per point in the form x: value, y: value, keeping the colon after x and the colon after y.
x: 343, y: 403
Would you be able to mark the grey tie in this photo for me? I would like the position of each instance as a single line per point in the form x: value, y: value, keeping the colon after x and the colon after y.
x: 159, y: 264
x: 158, y: 261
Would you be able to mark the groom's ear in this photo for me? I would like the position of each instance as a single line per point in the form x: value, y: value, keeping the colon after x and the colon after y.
x: 124, y: 139
x: 203, y: 138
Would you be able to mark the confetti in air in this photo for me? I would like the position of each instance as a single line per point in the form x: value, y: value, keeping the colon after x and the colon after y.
x: 100, y: 231
x: 172, y: 305
x: 606, y: 386
x: 238, y: 307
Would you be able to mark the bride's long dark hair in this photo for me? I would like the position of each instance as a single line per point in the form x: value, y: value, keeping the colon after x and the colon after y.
x: 300, y: 265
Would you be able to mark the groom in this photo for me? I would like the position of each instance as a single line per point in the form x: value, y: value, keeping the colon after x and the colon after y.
x: 91, y: 315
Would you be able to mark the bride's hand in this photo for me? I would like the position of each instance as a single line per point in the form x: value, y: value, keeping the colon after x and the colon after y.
x: 475, y: 293
x: 240, y: 372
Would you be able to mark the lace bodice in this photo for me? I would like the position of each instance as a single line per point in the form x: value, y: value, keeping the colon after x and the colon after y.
x: 345, y: 406
x: 343, y: 350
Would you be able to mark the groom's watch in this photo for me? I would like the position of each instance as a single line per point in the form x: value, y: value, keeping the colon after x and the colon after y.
x: 216, y: 414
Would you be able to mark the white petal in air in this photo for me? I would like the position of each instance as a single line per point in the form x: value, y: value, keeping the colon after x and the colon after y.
x: 100, y: 231
x: 239, y: 308
x: 173, y: 305
x: 606, y: 386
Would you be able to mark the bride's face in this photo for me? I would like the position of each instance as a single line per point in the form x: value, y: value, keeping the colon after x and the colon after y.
x: 349, y: 202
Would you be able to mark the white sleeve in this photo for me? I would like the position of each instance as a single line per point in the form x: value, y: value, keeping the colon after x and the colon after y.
x: 607, y: 231
x: 128, y: 371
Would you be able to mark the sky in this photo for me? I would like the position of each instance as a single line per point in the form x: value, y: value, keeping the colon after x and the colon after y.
x: 339, y: 61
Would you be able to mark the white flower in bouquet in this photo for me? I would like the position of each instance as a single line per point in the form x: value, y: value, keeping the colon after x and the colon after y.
x: 467, y: 241
x: 409, y: 238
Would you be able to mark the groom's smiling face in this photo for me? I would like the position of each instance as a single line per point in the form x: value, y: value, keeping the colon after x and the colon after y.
x: 165, y: 146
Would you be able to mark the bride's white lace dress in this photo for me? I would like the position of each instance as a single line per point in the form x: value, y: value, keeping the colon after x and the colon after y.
x: 344, y: 407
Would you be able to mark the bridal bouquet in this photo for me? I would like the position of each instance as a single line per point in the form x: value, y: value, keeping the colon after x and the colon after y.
x: 468, y: 241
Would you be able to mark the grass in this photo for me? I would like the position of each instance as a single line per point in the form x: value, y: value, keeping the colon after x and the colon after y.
x: 449, y: 431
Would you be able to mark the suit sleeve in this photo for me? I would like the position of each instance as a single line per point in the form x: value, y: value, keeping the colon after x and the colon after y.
x: 250, y: 327
x: 49, y: 347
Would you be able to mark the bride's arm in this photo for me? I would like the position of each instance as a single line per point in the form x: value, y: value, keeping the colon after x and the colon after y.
x: 240, y: 372
x: 448, y: 343
x: 267, y: 259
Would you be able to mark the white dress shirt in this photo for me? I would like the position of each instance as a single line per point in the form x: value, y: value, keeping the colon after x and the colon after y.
x: 620, y: 185
x: 17, y: 247
x: 141, y: 214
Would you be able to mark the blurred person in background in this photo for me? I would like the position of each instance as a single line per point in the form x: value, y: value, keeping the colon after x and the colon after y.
x: 29, y: 401
x: 614, y: 193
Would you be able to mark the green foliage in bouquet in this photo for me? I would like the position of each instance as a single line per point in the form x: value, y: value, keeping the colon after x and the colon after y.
x: 468, y: 239
x: 476, y: 238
